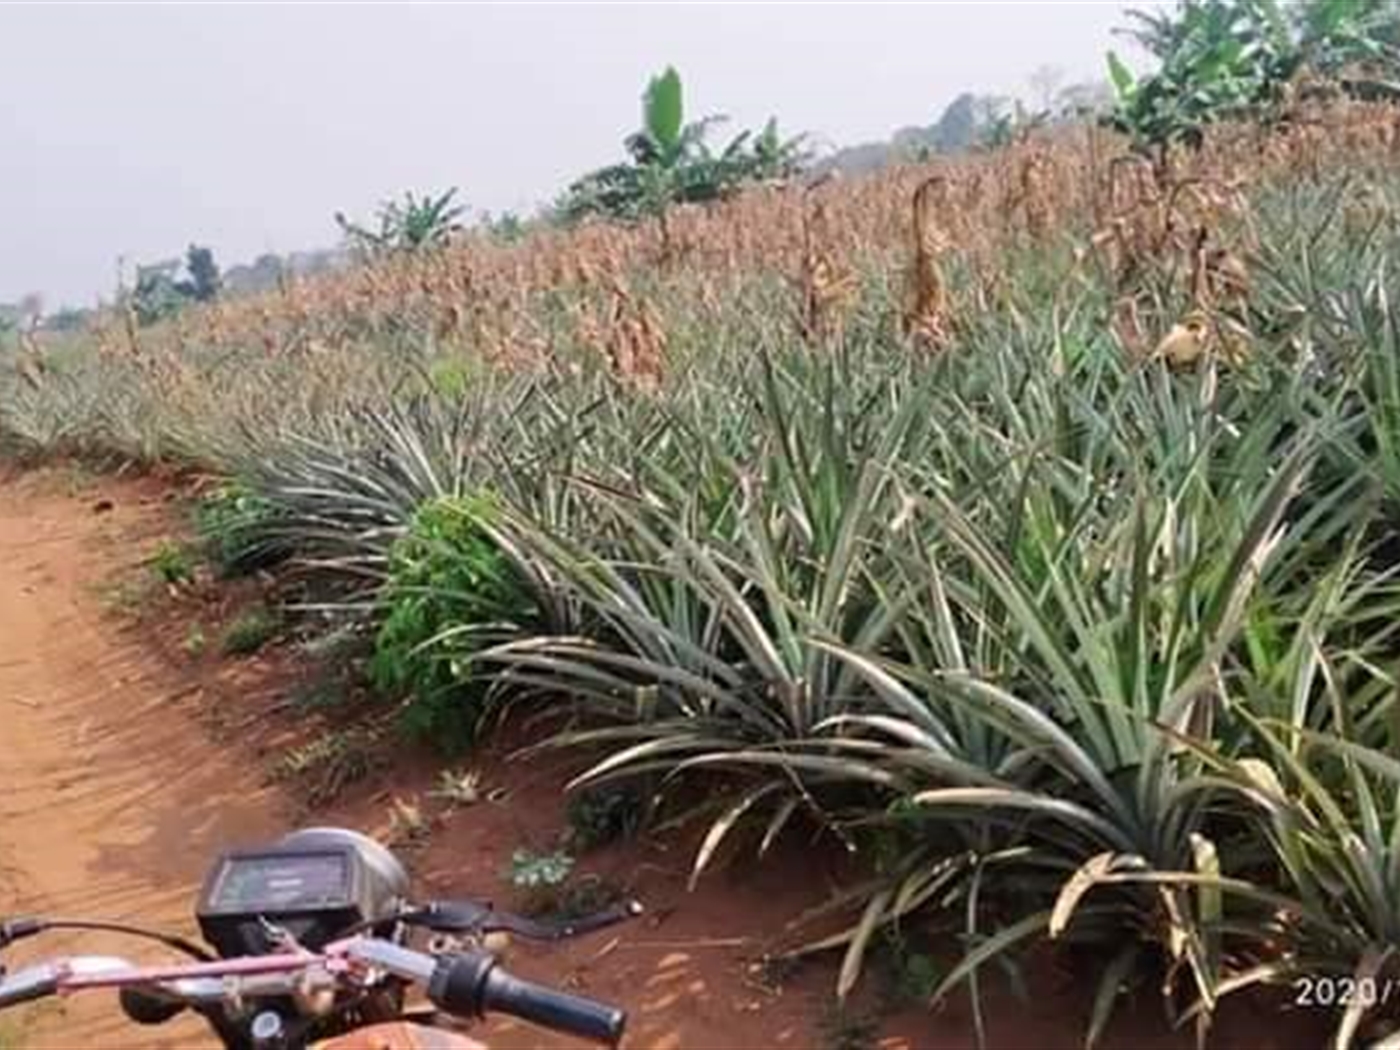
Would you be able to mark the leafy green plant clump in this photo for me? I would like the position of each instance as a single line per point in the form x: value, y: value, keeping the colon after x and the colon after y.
x: 604, y: 814
x: 250, y: 631
x: 234, y: 523
x: 451, y: 590
x: 172, y: 563
x: 1231, y: 59
x: 195, y: 641
x: 540, y: 878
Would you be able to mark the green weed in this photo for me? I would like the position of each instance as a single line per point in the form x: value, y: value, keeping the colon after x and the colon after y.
x: 539, y: 878
x: 328, y: 764
x: 195, y: 641
x: 250, y: 631
x: 842, y: 1028
x: 173, y: 563
x: 237, y: 528
x: 603, y: 814
x: 450, y: 590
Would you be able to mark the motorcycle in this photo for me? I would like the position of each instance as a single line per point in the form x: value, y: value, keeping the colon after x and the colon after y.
x: 311, y: 944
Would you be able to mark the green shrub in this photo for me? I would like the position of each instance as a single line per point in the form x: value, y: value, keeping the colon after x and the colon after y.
x: 172, y: 563
x: 451, y: 376
x: 250, y: 631
x: 235, y: 525
x: 603, y: 814
x: 450, y: 590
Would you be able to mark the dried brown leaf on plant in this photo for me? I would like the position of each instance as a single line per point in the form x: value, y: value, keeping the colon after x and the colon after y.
x: 634, y: 340
x: 1033, y: 198
x: 926, y: 313
x: 828, y: 286
x: 31, y: 365
x: 1187, y: 342
x: 1128, y: 327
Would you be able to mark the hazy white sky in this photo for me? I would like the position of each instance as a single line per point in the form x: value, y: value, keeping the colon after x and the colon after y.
x: 134, y: 130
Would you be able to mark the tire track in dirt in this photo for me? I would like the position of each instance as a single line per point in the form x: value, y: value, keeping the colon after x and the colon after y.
x: 113, y: 800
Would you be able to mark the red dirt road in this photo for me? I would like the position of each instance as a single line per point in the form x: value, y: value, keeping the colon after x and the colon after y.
x: 111, y: 804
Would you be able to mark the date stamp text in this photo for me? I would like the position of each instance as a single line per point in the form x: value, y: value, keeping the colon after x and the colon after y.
x: 1327, y: 991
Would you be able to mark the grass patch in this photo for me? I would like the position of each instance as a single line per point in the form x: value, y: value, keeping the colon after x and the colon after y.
x: 236, y: 527
x: 127, y: 597
x: 196, y: 642
x: 250, y: 631
x: 844, y: 1028
x: 603, y: 814
x: 173, y: 563
x: 330, y: 763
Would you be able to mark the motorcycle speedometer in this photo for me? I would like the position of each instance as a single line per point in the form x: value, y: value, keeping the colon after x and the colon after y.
x: 263, y: 883
x: 314, y: 885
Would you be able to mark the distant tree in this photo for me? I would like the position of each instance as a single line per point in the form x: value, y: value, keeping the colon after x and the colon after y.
x: 263, y: 274
x: 68, y: 319
x: 1091, y: 97
x: 970, y: 121
x: 965, y: 123
x: 157, y: 294
x: 506, y: 228
x: 268, y: 271
x: 204, y: 283
x: 163, y: 288
x: 410, y: 225
x: 269, y: 265
x: 1045, y: 83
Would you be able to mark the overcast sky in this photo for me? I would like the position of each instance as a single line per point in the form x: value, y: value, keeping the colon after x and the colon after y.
x: 134, y: 130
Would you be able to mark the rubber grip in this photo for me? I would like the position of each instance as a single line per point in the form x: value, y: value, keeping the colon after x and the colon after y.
x: 573, y: 1014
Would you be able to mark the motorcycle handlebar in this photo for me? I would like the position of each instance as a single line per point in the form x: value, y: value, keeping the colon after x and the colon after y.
x: 472, y: 985
x: 469, y: 985
x: 36, y: 982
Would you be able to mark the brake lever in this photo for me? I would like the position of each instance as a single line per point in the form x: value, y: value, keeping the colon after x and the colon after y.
x: 450, y: 916
x: 480, y: 918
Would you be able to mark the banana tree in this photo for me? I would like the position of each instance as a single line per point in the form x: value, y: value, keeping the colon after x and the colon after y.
x: 670, y: 160
x: 1221, y: 59
x: 1355, y: 41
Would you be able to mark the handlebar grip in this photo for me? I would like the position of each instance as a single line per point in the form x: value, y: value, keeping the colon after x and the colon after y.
x: 472, y: 984
x: 585, y: 1018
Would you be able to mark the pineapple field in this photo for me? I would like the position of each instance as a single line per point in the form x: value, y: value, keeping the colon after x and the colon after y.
x: 1023, y: 525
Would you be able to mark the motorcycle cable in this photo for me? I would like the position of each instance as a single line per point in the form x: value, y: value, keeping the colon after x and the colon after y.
x: 12, y: 930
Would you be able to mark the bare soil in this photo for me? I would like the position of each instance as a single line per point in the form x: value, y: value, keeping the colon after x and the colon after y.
x: 129, y: 757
